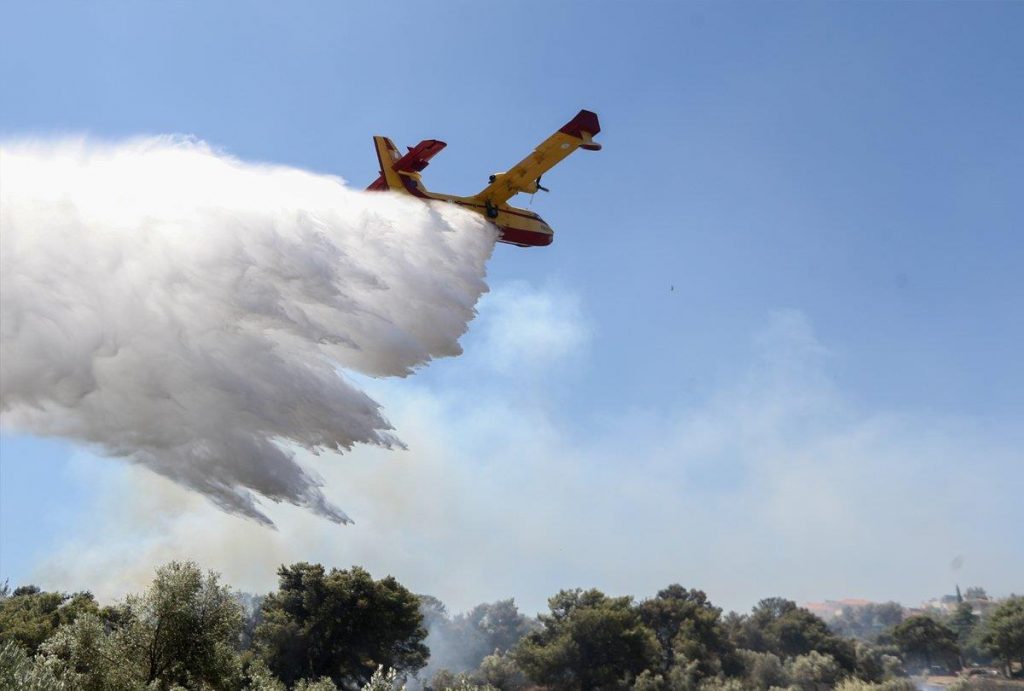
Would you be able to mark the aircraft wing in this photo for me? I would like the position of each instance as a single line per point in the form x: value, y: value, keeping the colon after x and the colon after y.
x: 523, y: 177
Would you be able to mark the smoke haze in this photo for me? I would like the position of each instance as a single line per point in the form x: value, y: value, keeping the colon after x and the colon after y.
x: 191, y: 312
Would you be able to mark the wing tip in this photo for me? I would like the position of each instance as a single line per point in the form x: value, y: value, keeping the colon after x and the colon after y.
x: 585, y: 121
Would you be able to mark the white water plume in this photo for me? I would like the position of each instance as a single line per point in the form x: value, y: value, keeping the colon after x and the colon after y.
x: 193, y: 313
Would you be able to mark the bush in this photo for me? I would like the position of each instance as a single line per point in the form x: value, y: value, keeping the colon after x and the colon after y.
x: 762, y: 670
x: 891, y: 685
x: 813, y: 671
x: 19, y: 671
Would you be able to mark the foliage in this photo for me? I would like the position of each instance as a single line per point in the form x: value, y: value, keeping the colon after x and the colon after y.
x: 876, y: 663
x: 324, y: 631
x: 763, y: 670
x: 19, y: 671
x: 890, y: 685
x: 444, y: 678
x: 339, y: 624
x: 84, y: 652
x: 321, y: 684
x: 501, y: 671
x: 180, y: 633
x: 926, y: 641
x: 260, y: 678
x: 588, y: 641
x: 688, y: 627
x: 813, y: 671
x: 778, y: 626
x: 184, y: 628
x: 1004, y: 631
x: 383, y: 680
x: 29, y: 615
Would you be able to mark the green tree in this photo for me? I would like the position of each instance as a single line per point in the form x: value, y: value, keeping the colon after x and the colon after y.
x: 500, y: 671
x: 763, y: 670
x: 29, y: 615
x: 686, y: 625
x: 588, y: 641
x: 963, y: 621
x: 876, y: 663
x: 90, y: 659
x: 1004, y: 632
x: 183, y: 630
x: 813, y: 672
x: 778, y: 626
x: 924, y: 640
x: 384, y: 680
x: 18, y: 670
x: 339, y: 624
x: 497, y: 626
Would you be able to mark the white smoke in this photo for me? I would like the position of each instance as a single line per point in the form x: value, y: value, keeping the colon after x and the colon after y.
x: 190, y: 312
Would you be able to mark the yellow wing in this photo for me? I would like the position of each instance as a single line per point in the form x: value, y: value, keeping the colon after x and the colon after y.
x: 523, y: 177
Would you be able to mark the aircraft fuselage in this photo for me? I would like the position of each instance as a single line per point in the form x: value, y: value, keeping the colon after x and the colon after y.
x: 401, y: 173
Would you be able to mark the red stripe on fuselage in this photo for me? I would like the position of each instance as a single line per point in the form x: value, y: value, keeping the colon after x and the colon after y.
x: 514, y: 236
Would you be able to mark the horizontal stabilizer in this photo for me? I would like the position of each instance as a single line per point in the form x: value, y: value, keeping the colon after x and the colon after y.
x: 418, y: 157
x: 415, y: 160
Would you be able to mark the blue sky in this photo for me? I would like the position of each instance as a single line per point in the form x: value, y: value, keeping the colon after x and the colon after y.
x: 845, y: 175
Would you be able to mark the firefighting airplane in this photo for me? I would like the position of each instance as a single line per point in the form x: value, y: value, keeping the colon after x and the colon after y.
x: 518, y: 226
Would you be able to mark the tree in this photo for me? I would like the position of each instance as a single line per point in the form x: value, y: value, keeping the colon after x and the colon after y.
x: 90, y: 659
x: 184, y: 628
x: 877, y: 663
x: 813, y: 672
x: 763, y: 670
x: 923, y: 639
x: 181, y: 632
x: 778, y: 626
x: 20, y: 671
x: 1004, y: 631
x: 494, y: 627
x: 688, y: 626
x: 339, y: 624
x: 500, y: 671
x: 963, y: 621
x: 588, y: 641
x: 29, y: 615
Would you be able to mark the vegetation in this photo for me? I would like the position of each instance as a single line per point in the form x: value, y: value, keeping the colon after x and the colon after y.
x: 325, y: 630
x: 340, y: 625
x: 588, y: 641
x: 926, y: 643
x: 1004, y: 633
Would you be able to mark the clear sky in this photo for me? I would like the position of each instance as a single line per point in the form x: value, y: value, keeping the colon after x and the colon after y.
x: 774, y: 349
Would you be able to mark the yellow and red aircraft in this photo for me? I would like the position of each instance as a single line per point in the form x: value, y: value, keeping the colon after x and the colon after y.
x: 518, y: 226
